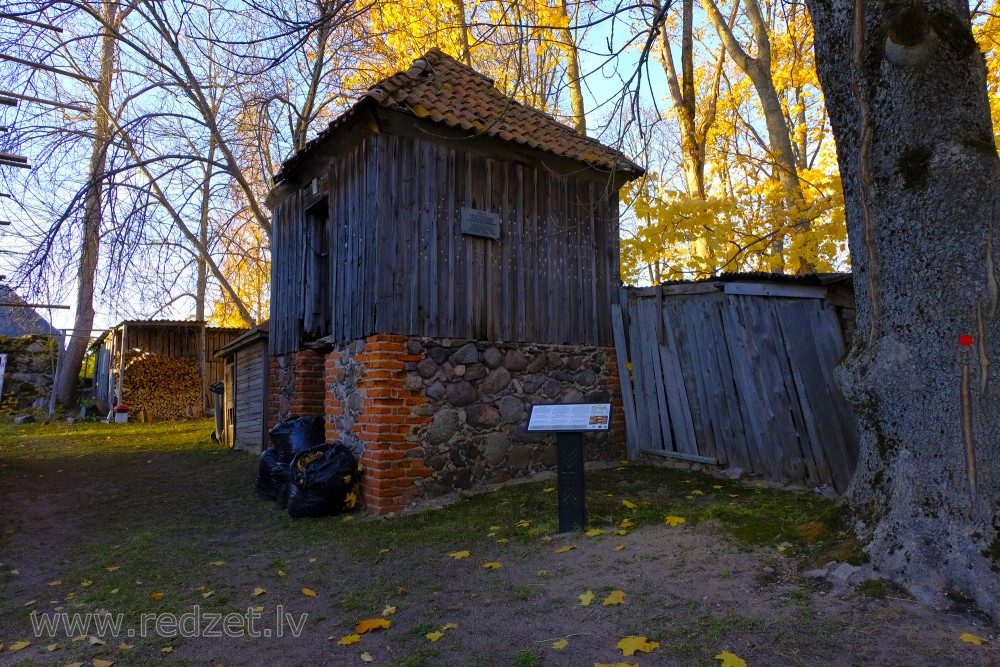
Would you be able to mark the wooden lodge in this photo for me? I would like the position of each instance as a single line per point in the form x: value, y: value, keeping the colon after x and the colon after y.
x: 443, y: 257
x: 436, y: 206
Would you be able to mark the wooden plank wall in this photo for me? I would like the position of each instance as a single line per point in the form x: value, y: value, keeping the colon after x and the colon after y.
x: 745, y: 381
x: 400, y: 263
x: 249, y: 398
x: 176, y: 341
x: 551, y: 278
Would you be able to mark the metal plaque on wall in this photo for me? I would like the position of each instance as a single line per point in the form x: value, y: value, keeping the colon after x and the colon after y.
x: 476, y: 222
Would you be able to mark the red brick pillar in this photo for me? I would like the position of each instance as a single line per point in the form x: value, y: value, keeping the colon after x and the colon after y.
x: 617, y: 433
x: 393, y: 459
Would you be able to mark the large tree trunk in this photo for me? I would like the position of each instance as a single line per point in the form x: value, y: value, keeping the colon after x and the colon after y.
x: 76, y: 348
x: 911, y: 118
x: 573, y: 77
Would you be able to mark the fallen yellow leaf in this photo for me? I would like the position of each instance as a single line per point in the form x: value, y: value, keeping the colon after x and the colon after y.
x: 449, y: 626
x: 313, y: 560
x: 53, y: 647
x: 112, y: 568
x: 560, y: 644
x: 549, y: 489
x: 689, y: 497
x: 370, y: 624
x: 495, y: 527
x: 616, y: 664
x: 523, y: 523
x: 258, y: 609
x: 70, y: 596
x: 434, y: 636
x: 124, y: 647
x: 717, y: 486
x: 201, y: 588
x: 674, y: 520
x: 57, y: 582
x: 544, y: 573
x: 78, y: 638
x: 626, y: 523
x: 167, y: 649
x: 698, y: 492
x: 207, y: 594
x: 619, y: 547
x: 367, y: 657
x: 388, y: 611
x: 629, y: 645
x: 101, y: 663
x: 257, y: 592
x: 564, y: 549
x: 156, y: 594
x: 218, y: 563
x: 281, y: 573
x: 492, y: 566
x: 616, y: 597
x: 730, y: 660
x: 586, y: 598
x: 17, y: 646
x: 114, y: 591
x: 86, y: 582
x: 402, y: 591
x: 547, y: 538
x: 96, y: 641
x: 349, y: 639
x: 594, y: 532
x: 972, y: 639
x: 503, y: 540
x: 629, y: 504
x: 308, y: 592
x: 459, y: 555
x: 622, y: 532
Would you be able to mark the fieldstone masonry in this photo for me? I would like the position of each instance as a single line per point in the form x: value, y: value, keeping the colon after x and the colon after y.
x: 431, y: 416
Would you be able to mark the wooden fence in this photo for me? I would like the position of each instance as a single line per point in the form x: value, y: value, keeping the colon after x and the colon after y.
x: 739, y: 374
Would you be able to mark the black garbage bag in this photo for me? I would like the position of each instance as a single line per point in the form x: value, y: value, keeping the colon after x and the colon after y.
x: 265, y: 486
x: 323, y: 481
x: 281, y: 475
x: 297, y: 434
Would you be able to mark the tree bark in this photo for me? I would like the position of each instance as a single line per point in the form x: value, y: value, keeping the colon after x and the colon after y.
x: 79, y: 340
x: 463, y: 34
x: 573, y: 77
x: 909, y: 110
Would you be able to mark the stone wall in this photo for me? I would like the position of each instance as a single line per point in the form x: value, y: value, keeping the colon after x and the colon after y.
x: 27, y: 380
x: 431, y: 416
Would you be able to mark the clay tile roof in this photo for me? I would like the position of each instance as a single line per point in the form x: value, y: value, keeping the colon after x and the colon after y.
x: 438, y: 87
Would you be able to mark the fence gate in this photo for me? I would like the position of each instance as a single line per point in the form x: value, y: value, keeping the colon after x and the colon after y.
x: 738, y: 374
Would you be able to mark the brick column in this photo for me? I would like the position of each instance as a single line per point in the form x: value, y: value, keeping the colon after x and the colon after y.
x: 617, y: 433
x: 392, y: 457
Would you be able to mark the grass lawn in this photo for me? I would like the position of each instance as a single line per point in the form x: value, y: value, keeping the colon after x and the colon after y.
x: 138, y: 519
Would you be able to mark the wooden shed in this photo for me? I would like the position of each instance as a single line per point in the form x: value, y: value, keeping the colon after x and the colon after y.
x: 464, y: 235
x: 177, y: 346
x: 738, y: 372
x: 245, y: 395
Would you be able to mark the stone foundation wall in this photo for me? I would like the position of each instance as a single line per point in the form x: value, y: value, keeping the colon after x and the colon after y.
x: 431, y: 416
x: 27, y: 380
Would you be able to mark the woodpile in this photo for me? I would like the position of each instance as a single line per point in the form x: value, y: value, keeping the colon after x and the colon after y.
x: 166, y: 388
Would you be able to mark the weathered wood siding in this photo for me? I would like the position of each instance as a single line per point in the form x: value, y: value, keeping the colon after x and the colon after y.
x: 175, y: 340
x: 745, y: 381
x: 400, y: 264
x: 307, y: 298
x: 248, y: 401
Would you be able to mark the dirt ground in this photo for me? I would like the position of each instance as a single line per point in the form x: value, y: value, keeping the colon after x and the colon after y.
x: 157, y: 520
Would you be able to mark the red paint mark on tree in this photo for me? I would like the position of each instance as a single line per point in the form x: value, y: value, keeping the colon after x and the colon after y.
x: 966, y: 340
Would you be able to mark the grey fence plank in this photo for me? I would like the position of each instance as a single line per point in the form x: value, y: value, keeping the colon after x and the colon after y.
x: 633, y: 438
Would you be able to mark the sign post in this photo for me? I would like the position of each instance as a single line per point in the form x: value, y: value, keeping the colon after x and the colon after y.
x: 569, y: 422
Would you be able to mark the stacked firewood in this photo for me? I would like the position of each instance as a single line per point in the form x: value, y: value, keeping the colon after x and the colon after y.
x: 164, y: 387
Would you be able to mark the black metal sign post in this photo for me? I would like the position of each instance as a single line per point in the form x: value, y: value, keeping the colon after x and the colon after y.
x: 569, y: 422
x: 569, y: 481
